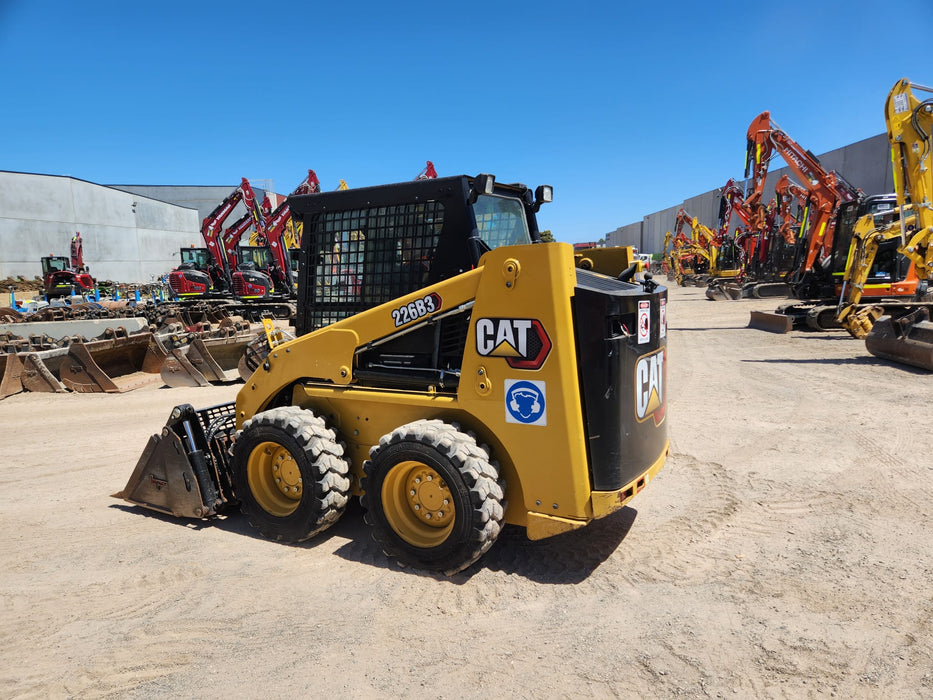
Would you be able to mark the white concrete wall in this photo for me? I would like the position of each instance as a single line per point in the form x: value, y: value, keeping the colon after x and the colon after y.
x: 127, y: 237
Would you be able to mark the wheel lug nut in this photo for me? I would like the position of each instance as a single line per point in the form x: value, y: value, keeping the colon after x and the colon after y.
x: 430, y: 478
x: 417, y: 479
x: 440, y: 514
x: 411, y: 493
x: 417, y: 507
x: 446, y: 501
x: 427, y: 516
x: 278, y: 480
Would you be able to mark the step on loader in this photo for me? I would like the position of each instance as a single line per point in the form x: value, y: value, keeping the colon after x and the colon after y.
x: 492, y: 382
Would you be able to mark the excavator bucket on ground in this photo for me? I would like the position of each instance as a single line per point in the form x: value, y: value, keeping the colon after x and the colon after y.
x: 11, y: 375
x: 38, y: 376
x: 771, y: 322
x: 113, y: 365
x: 205, y: 360
x: 723, y: 291
x: 908, y: 340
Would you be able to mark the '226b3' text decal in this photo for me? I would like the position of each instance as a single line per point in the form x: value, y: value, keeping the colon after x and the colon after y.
x: 416, y: 309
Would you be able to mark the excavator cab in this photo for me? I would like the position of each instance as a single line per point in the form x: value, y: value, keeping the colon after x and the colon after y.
x: 259, y: 259
x: 194, y: 259
x: 60, y: 279
x: 889, y: 266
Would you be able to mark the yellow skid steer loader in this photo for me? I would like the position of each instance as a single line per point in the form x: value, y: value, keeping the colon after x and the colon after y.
x: 449, y: 369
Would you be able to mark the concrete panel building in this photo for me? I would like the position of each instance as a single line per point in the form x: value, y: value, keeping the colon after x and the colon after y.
x: 865, y: 164
x: 127, y: 238
x: 203, y: 198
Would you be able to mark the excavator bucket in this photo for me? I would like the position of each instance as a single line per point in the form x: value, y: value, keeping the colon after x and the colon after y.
x: 112, y: 366
x: 723, y: 291
x: 771, y: 322
x: 11, y: 375
x: 204, y: 361
x: 177, y: 371
x: 38, y: 375
x: 177, y: 472
x: 908, y: 339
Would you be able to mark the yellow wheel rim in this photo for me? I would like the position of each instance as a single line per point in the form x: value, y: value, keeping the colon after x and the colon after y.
x: 418, y: 504
x: 274, y: 479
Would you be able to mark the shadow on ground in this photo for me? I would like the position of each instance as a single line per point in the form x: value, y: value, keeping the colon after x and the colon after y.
x: 564, y: 559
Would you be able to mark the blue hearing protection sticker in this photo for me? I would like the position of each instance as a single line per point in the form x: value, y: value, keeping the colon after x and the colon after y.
x: 525, y: 402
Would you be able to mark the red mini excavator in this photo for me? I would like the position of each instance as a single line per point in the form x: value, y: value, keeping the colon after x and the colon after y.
x: 63, y: 276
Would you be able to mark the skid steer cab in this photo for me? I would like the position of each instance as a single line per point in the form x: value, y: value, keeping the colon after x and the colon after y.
x: 449, y: 370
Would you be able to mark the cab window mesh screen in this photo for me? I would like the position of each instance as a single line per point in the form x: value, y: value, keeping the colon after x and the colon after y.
x: 366, y: 257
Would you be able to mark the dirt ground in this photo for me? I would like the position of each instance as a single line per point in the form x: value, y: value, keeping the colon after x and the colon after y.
x: 783, y: 551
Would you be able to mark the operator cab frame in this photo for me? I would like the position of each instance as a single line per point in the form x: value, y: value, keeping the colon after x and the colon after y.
x: 367, y: 246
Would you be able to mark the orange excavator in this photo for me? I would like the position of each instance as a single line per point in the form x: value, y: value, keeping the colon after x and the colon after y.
x: 827, y: 191
x: 826, y: 238
x: 828, y: 196
x: 762, y: 256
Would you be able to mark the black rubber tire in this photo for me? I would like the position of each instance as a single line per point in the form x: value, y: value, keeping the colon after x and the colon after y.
x: 469, y: 478
x: 313, y: 457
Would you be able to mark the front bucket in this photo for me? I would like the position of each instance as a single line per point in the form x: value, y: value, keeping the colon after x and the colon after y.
x: 908, y: 340
x: 771, y: 322
x: 164, y: 480
x: 176, y: 473
x: 218, y: 358
x: 11, y: 375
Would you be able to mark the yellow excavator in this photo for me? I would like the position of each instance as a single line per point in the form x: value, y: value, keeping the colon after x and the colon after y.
x: 904, y: 334
x: 449, y: 369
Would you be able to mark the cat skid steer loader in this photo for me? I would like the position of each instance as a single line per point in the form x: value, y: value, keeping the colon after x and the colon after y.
x: 448, y: 369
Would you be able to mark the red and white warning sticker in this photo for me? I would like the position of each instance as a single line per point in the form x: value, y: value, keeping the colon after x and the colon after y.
x: 644, y: 321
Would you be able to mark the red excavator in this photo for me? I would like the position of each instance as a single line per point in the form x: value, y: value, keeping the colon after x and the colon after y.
x: 212, y: 272
x: 63, y: 276
x: 275, y: 250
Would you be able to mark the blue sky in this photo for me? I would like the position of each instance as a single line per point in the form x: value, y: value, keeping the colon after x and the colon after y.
x: 625, y: 108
